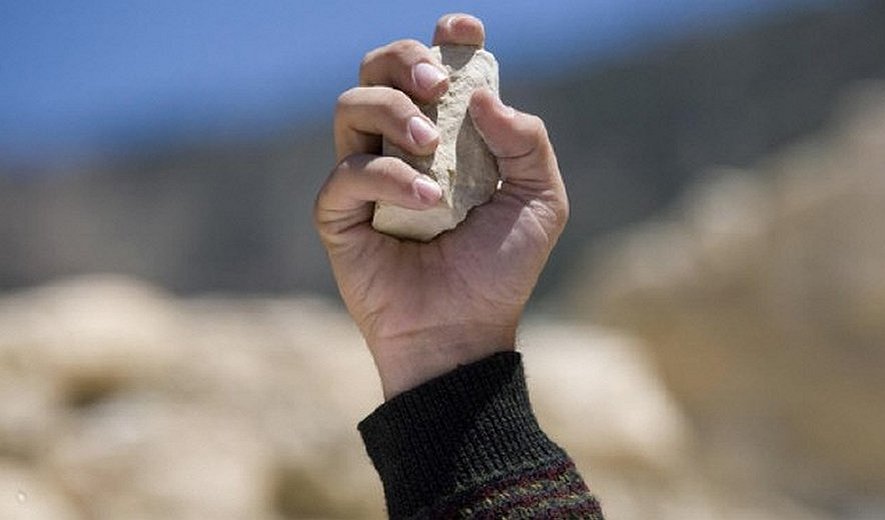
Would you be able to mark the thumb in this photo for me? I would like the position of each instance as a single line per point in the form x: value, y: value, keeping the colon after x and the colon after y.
x: 526, y: 159
x: 518, y: 140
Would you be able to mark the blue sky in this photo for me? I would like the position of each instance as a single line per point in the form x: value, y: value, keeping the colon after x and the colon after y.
x: 76, y: 77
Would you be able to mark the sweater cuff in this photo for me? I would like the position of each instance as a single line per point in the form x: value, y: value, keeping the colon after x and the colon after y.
x: 454, y: 433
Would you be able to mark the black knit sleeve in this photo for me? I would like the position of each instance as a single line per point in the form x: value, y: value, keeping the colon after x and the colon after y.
x: 467, y: 445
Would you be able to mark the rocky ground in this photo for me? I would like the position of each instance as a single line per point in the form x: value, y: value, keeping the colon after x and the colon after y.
x: 118, y: 400
x: 738, y: 376
x: 762, y: 299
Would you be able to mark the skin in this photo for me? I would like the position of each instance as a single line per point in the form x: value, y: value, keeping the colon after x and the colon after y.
x: 426, y: 308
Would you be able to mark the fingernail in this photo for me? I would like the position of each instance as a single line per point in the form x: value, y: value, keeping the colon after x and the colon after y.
x: 426, y: 189
x: 422, y: 132
x: 452, y: 19
x: 427, y: 76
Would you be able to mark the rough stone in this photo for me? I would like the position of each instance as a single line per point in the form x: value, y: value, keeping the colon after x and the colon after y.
x: 241, y: 422
x: 462, y: 163
x: 762, y: 297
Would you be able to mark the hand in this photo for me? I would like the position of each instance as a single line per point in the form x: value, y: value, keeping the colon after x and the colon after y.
x: 425, y: 308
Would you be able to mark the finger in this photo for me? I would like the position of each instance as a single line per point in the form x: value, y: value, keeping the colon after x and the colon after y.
x: 360, y: 180
x: 525, y: 157
x: 519, y: 141
x: 364, y: 114
x: 459, y: 29
x: 408, y: 66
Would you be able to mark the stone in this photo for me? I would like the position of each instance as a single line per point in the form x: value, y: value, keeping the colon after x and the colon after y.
x: 243, y: 423
x: 761, y: 295
x: 462, y: 163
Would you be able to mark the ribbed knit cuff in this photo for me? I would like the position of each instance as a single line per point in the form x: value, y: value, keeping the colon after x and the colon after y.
x: 454, y: 433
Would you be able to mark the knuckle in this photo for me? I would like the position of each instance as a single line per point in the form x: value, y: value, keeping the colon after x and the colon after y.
x: 368, y: 59
x: 392, y: 64
x: 392, y: 172
x: 403, y: 48
x: 400, y: 50
x: 536, y: 132
x: 402, y: 104
x: 345, y: 99
x: 537, y: 128
x: 397, y: 105
x: 386, y: 169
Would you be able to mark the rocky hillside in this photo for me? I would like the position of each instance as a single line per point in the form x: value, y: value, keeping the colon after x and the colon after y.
x: 630, y: 134
x: 761, y: 295
x: 118, y: 400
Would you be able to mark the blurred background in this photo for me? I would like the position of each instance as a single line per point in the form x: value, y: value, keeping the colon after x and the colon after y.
x: 706, y: 341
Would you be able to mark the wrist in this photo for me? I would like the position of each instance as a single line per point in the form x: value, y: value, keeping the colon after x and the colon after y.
x: 410, y: 360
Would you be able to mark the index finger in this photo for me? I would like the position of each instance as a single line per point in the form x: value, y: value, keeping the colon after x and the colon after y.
x: 459, y: 29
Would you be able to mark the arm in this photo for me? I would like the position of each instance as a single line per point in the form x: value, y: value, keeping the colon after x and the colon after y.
x: 467, y: 443
x: 440, y: 318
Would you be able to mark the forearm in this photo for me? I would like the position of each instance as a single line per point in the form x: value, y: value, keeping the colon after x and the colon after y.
x: 467, y: 443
